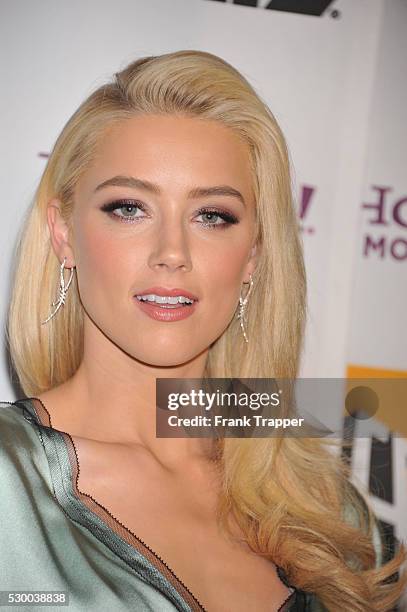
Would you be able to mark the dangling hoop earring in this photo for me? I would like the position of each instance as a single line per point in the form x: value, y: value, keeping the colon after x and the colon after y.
x: 62, y: 291
x: 242, y: 307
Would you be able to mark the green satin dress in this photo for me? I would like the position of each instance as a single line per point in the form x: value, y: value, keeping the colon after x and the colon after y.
x: 55, y: 538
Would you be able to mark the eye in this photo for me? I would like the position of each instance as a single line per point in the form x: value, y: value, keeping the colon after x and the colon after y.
x: 214, y: 218
x: 228, y: 218
x: 129, y: 207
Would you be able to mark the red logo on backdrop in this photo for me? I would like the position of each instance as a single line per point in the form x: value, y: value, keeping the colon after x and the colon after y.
x: 385, y: 216
x: 306, y: 198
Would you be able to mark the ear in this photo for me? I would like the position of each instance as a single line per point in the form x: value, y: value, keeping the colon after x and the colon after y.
x: 252, y: 262
x: 59, y: 233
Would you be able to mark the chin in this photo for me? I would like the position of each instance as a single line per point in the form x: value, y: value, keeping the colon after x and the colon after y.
x: 153, y: 359
x: 169, y: 352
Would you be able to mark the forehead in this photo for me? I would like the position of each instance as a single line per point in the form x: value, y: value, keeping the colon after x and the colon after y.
x: 162, y: 147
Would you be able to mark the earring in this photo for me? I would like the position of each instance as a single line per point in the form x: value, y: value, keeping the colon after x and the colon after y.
x: 242, y: 307
x: 62, y: 291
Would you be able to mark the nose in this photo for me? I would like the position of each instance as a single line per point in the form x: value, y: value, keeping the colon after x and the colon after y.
x: 171, y: 249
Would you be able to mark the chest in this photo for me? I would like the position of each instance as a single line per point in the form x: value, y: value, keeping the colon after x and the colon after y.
x: 176, y: 518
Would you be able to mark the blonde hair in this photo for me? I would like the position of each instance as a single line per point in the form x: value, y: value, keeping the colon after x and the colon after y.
x: 286, y: 494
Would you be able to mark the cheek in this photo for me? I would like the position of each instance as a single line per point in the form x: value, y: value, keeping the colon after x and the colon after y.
x: 226, y: 262
x: 103, y: 266
x: 222, y: 270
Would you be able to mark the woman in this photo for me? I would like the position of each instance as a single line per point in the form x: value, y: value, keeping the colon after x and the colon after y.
x: 174, y: 176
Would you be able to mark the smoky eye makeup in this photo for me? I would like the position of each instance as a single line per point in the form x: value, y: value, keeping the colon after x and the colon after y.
x: 216, y: 218
x: 111, y: 207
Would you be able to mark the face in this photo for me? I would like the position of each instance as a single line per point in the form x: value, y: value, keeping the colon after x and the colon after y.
x: 162, y: 230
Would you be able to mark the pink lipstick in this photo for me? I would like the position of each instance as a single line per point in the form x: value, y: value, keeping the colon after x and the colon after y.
x: 164, y: 304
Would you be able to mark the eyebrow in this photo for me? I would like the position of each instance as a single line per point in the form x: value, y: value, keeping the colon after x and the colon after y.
x: 197, y: 192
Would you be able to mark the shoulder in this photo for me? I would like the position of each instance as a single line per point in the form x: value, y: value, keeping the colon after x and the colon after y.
x: 24, y: 468
x: 14, y: 417
x: 18, y: 437
x: 11, y: 419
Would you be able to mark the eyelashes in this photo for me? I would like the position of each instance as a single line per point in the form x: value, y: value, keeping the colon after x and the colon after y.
x: 228, y: 218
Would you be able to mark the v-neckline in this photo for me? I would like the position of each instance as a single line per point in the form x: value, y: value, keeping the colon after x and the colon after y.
x: 81, y: 507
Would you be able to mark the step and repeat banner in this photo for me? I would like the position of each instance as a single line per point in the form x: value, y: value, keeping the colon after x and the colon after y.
x: 377, y: 335
x: 333, y: 73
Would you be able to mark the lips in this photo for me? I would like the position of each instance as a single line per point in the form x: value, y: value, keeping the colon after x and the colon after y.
x: 164, y: 291
x: 164, y: 313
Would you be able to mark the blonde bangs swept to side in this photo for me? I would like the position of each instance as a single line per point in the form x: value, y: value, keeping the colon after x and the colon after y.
x: 286, y: 494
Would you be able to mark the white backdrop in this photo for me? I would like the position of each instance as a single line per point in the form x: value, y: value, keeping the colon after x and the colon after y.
x: 334, y: 83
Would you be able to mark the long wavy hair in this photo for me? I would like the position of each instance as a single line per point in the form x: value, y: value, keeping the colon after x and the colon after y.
x: 286, y: 494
